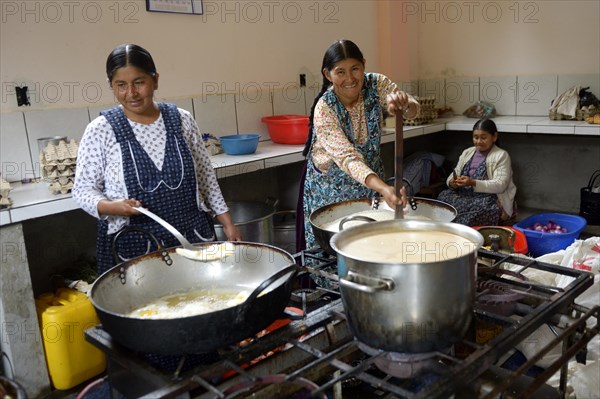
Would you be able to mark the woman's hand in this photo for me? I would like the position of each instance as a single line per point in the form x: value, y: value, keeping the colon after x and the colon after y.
x: 229, y: 228
x: 390, y: 197
x: 123, y: 207
x: 387, y: 192
x: 462, y: 181
x: 403, y: 103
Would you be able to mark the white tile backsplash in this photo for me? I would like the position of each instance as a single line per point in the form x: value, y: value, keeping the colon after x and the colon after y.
x: 289, y: 100
x: 70, y: 122
x: 15, y: 158
x: 461, y: 93
x: 535, y: 93
x: 501, y: 92
x: 224, y: 114
x: 250, y: 108
x: 215, y: 114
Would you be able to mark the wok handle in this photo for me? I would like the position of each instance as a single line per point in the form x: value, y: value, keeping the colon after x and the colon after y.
x: 128, y: 229
x: 380, y: 284
x: 290, y: 269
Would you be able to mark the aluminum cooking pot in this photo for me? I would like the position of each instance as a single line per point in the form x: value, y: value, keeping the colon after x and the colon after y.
x: 408, y: 285
x: 263, y: 270
x: 254, y: 220
x: 425, y: 208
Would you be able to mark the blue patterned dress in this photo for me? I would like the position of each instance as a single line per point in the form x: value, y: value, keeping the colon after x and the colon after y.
x: 334, y: 185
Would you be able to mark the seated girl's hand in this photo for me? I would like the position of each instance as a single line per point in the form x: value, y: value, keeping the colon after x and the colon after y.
x: 463, y: 181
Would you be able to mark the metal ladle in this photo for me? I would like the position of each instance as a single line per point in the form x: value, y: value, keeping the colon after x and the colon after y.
x: 189, y: 250
x: 184, y: 242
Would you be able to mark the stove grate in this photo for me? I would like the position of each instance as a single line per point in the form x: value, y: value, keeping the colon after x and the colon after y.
x: 318, y: 354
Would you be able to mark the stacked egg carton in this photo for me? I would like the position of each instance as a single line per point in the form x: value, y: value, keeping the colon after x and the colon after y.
x: 428, y: 112
x: 58, y: 165
x: 5, y: 188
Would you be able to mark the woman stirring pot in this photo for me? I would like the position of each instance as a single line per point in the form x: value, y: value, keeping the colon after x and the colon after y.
x: 343, y: 154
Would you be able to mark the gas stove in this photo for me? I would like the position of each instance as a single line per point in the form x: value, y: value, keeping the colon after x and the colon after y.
x: 313, y: 354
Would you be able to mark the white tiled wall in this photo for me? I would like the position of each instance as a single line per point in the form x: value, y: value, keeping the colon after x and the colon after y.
x: 215, y: 114
x: 241, y: 113
x: 15, y: 157
x: 251, y: 106
x: 289, y: 100
x: 501, y: 92
x: 535, y: 94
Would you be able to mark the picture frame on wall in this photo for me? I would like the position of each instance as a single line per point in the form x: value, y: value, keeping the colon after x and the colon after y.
x: 175, y: 6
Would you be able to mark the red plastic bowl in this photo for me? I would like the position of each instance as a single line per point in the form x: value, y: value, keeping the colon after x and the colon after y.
x: 287, y: 129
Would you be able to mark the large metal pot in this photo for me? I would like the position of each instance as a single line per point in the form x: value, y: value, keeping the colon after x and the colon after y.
x: 264, y: 270
x: 284, y: 230
x: 253, y: 219
x: 425, y: 207
x: 403, y: 305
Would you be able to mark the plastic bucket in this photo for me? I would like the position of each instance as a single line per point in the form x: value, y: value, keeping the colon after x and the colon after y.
x: 540, y: 243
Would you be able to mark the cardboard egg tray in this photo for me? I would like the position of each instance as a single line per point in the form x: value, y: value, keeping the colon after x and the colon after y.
x: 428, y: 112
x: 5, y: 188
x: 58, y: 165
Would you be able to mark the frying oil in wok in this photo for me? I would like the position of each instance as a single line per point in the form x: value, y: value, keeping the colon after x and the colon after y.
x: 191, y: 303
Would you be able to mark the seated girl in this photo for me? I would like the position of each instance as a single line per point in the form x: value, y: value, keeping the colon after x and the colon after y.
x: 481, y: 187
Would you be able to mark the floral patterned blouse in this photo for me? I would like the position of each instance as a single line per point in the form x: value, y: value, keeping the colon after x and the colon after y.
x: 99, y: 173
x: 332, y: 145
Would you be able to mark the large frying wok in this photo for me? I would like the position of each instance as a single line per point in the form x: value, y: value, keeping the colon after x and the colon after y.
x: 263, y: 270
x: 434, y: 210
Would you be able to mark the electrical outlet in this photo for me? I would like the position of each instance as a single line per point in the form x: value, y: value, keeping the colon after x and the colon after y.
x: 22, y: 96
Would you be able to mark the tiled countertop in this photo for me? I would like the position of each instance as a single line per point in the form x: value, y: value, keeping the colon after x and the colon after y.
x: 34, y: 200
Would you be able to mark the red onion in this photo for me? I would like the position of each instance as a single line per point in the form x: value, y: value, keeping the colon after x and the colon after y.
x: 550, y: 227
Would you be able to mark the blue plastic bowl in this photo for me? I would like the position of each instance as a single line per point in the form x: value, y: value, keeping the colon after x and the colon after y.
x: 540, y: 243
x: 239, y: 144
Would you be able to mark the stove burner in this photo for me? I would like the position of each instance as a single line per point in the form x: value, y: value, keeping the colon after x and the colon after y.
x: 497, y: 297
x: 402, y: 365
x: 307, y: 295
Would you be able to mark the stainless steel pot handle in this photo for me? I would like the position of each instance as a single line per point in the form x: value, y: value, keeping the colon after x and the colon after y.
x: 380, y: 284
x: 354, y: 217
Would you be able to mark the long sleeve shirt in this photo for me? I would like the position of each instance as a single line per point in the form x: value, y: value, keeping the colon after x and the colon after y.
x: 99, y: 172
